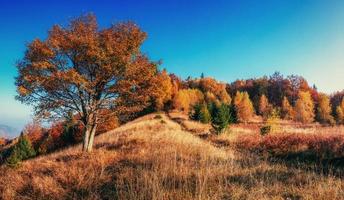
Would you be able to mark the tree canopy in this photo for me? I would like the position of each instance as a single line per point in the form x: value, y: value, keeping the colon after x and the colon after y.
x: 82, y: 69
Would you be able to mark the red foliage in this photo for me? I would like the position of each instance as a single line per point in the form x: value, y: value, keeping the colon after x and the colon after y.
x: 2, y: 141
x: 56, y: 130
x: 35, y: 133
x: 323, y: 146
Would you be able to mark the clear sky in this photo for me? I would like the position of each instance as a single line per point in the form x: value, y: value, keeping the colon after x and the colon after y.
x: 228, y: 40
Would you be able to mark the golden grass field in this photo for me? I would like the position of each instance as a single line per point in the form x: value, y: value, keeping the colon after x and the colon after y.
x: 161, y: 156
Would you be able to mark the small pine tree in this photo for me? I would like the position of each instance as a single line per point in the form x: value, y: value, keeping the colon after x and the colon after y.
x: 195, y: 112
x: 221, y: 118
x: 204, y: 116
x: 201, y: 113
x: 21, y: 151
x: 13, y: 160
x: 24, y: 147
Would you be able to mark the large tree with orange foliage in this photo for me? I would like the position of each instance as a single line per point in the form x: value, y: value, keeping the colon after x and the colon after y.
x: 82, y: 69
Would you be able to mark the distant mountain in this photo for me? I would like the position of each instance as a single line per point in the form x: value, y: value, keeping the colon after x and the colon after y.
x: 7, y: 131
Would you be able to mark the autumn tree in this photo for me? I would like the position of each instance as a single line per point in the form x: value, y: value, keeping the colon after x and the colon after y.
x: 340, y: 112
x: 287, y: 111
x: 264, y: 106
x: 244, y: 107
x: 210, y: 97
x: 164, y: 90
x: 210, y: 85
x: 3, y: 141
x: 82, y: 69
x: 324, y: 110
x: 186, y: 98
x: 34, y: 132
x: 304, y: 108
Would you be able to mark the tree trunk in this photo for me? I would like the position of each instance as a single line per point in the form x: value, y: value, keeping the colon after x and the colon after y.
x: 91, y: 139
x: 86, y: 138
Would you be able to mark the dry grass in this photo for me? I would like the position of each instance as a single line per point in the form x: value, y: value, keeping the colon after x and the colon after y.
x: 155, y: 158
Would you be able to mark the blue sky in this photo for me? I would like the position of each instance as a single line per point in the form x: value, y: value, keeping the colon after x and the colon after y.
x: 228, y: 40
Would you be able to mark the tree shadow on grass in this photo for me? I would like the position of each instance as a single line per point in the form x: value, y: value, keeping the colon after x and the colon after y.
x: 309, y: 161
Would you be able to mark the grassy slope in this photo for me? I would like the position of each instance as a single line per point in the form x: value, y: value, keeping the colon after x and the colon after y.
x: 156, y: 158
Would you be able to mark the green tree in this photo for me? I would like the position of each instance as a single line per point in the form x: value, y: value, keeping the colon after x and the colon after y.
x: 13, y: 160
x: 21, y: 151
x: 201, y: 113
x: 221, y: 118
x: 205, y: 116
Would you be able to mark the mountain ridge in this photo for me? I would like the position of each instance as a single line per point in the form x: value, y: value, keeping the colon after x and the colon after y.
x: 7, y: 131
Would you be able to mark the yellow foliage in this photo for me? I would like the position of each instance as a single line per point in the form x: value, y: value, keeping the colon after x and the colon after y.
x: 243, y: 106
x: 304, y: 108
x: 186, y: 98
x: 217, y: 89
x: 264, y: 106
x: 340, y: 112
x: 324, y: 110
x: 287, y: 110
x: 163, y: 90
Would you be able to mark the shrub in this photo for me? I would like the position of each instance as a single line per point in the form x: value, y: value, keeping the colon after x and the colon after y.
x: 315, y: 146
x: 157, y: 117
x: 273, y: 120
x: 47, y: 145
x: 265, y: 130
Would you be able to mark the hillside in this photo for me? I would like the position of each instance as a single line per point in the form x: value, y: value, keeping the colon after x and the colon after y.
x: 155, y: 157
